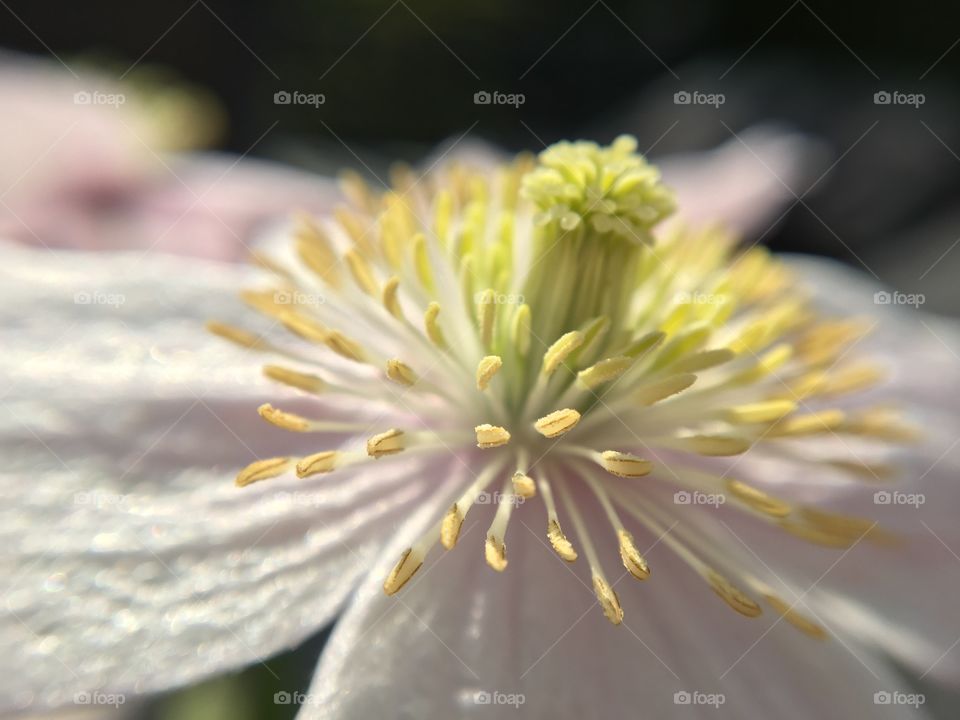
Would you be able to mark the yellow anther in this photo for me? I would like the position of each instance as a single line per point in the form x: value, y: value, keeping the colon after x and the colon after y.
x: 662, y: 389
x: 263, y: 470
x: 633, y: 561
x: 305, y: 327
x: 302, y: 381
x: 608, y: 599
x: 757, y: 499
x: 386, y: 443
x: 491, y: 436
x: 732, y: 595
x: 486, y: 369
x: 561, y: 545
x: 495, y: 551
x: 236, y: 335
x: 321, y: 462
x: 520, y: 329
x: 557, y: 423
x: 344, y: 346
x: 432, y: 326
x: 560, y: 350
x: 624, y: 464
x: 400, y: 373
x: 715, y: 445
x: 405, y: 568
x: 760, y: 412
x: 523, y: 485
x: 285, y: 420
x: 797, y: 619
x: 604, y: 371
x: 421, y: 262
x: 815, y: 423
x: 450, y: 527
x: 486, y: 312
x: 390, y: 300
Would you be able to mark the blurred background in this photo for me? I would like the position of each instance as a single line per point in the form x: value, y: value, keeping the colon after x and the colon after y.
x: 322, y: 86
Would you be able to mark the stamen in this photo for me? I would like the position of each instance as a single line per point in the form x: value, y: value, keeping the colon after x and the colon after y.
x: 302, y: 381
x: 495, y: 549
x: 659, y: 390
x: 703, y: 360
x: 263, y: 470
x: 633, y: 561
x: 400, y: 373
x: 557, y: 423
x: 491, y: 436
x: 486, y: 312
x: 285, y: 420
x: 810, y: 424
x: 797, y: 619
x: 604, y: 371
x: 486, y: 369
x: 711, y: 445
x: 321, y: 462
x: 361, y: 272
x: 757, y: 499
x: 344, y: 346
x: 453, y: 520
x: 432, y: 326
x: 390, y: 300
x: 296, y: 423
x: 386, y: 443
x: 560, y: 350
x: 237, y: 336
x: 523, y: 485
x: 606, y: 595
x: 561, y: 545
x: 732, y: 595
x: 303, y: 326
x: 725, y: 590
x: 624, y: 464
x: 520, y: 329
x: 759, y: 412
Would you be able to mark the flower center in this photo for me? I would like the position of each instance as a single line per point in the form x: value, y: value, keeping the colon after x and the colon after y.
x: 529, y: 321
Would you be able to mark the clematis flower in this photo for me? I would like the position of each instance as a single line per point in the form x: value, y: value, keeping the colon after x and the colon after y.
x: 555, y: 455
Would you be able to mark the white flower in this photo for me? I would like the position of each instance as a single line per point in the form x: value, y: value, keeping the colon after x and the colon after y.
x: 470, y: 389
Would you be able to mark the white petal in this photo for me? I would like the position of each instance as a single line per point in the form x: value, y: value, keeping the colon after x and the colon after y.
x: 535, y: 631
x: 133, y: 563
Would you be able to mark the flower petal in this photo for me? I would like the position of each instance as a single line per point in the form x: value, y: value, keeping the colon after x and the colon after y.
x: 464, y: 636
x: 133, y: 562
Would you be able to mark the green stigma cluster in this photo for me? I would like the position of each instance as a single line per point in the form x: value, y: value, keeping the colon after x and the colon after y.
x: 604, y: 190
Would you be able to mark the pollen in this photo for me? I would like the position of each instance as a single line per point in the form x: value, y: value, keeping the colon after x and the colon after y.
x: 538, y: 330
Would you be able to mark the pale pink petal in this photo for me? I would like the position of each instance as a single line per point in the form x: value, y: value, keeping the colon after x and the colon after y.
x: 133, y: 564
x: 745, y: 184
x: 460, y: 632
